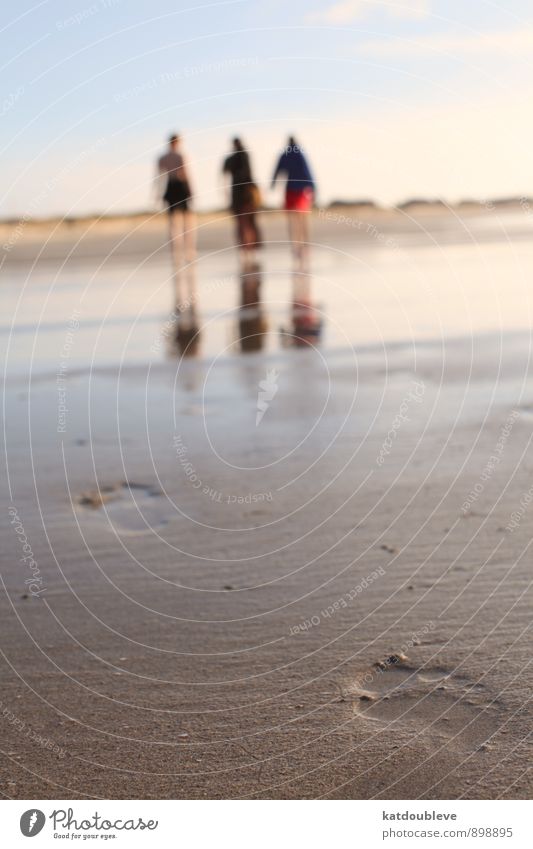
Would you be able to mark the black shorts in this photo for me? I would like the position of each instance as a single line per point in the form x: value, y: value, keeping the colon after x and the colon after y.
x: 177, y: 196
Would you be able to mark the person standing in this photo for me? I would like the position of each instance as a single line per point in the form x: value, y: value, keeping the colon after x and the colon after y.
x: 244, y: 202
x: 173, y: 176
x: 299, y: 197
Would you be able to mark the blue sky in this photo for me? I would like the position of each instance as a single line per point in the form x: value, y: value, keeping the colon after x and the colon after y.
x: 390, y: 99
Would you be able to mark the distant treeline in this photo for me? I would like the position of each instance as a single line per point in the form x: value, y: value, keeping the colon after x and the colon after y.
x: 428, y: 203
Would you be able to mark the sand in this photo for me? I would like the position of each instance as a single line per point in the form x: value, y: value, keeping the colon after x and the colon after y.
x: 334, y: 603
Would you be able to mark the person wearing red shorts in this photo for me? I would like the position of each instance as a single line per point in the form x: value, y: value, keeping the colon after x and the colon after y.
x: 299, y: 198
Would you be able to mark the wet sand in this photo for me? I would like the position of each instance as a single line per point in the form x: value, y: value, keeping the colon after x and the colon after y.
x: 335, y: 602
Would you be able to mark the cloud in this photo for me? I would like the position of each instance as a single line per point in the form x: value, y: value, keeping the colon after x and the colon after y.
x: 349, y: 10
x: 510, y: 42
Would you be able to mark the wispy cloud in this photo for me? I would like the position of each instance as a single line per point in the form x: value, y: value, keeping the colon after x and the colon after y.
x: 350, y: 10
x: 510, y: 42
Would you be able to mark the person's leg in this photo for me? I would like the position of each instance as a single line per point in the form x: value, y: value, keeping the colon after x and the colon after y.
x: 189, y: 235
x: 240, y: 239
x: 188, y: 239
x: 248, y: 238
x: 247, y: 231
x: 293, y: 234
x: 255, y: 238
x: 256, y: 231
x: 190, y: 277
x: 304, y: 241
x: 174, y: 230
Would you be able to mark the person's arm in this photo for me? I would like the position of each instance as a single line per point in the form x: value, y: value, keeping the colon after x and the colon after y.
x: 280, y: 168
x: 228, y: 181
x: 312, y: 179
x: 157, y: 187
x: 183, y: 174
x: 310, y: 175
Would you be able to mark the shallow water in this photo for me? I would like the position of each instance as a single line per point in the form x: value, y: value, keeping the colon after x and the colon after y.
x: 428, y: 284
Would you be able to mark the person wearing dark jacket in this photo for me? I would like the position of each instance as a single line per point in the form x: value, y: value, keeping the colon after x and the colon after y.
x: 299, y: 197
x: 244, y: 201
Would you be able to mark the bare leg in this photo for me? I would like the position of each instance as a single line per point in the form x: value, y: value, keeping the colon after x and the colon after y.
x: 183, y: 247
x: 190, y: 276
x: 189, y: 247
x: 244, y: 240
x: 175, y: 252
x: 293, y: 235
x: 304, y: 241
x: 256, y: 239
x: 189, y: 235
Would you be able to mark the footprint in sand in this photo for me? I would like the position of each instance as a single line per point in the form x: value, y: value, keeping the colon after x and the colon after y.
x: 129, y: 508
x: 435, y: 702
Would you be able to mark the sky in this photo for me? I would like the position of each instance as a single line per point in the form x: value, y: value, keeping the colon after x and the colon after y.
x: 390, y: 99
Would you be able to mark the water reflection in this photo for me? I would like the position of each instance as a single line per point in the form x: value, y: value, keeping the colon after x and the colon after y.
x: 184, y: 333
x: 306, y: 318
x: 253, y: 325
x: 252, y: 334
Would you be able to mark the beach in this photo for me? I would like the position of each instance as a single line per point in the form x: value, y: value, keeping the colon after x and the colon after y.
x: 331, y: 599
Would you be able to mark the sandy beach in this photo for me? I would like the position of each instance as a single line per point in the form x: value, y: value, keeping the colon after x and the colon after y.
x: 332, y: 602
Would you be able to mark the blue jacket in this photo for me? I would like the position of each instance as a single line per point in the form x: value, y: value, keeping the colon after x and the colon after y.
x: 293, y: 163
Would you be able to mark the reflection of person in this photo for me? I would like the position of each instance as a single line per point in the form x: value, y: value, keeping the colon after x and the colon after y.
x: 244, y: 201
x: 252, y: 322
x: 184, y: 338
x: 305, y: 318
x: 306, y: 325
x: 173, y: 175
x: 188, y: 335
x: 299, y: 196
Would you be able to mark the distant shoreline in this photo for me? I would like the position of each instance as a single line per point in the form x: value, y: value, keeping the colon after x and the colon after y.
x: 145, y: 233
x: 415, y: 204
